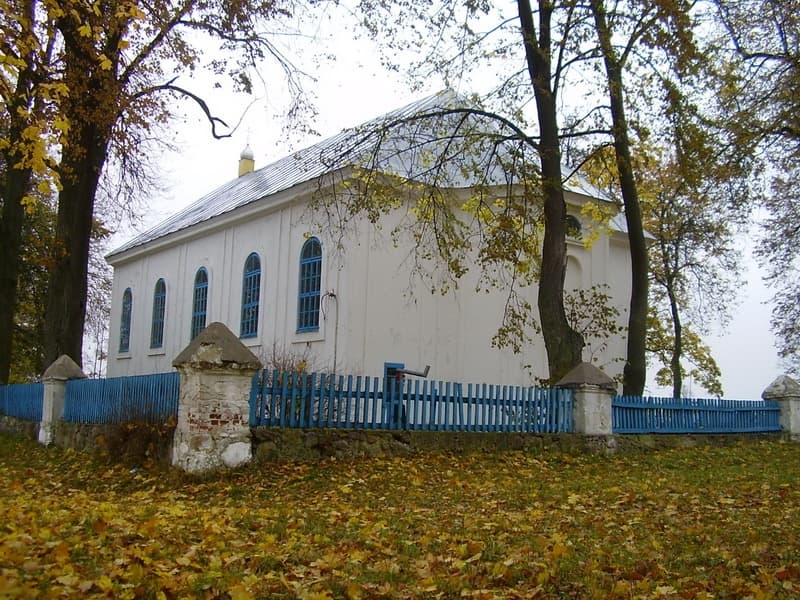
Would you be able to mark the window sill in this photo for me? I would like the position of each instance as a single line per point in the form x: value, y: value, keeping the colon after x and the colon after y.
x: 156, y: 352
x: 124, y: 356
x: 313, y: 335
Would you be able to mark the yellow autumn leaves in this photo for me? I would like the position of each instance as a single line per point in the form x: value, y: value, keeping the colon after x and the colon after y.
x: 691, y: 523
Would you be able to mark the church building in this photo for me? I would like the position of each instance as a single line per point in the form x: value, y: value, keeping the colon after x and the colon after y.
x: 256, y: 255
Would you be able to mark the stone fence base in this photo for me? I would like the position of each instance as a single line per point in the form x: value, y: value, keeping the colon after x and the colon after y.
x: 140, y: 443
x: 128, y: 443
x: 276, y: 445
x: 28, y: 429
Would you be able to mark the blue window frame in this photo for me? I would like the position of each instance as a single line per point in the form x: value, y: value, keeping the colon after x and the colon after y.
x: 251, y: 287
x: 125, y: 321
x: 159, y: 309
x: 199, y: 302
x: 310, y: 281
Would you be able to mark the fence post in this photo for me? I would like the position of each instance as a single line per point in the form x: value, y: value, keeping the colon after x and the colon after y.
x: 55, y: 380
x: 592, y: 394
x: 787, y: 392
x: 213, y: 430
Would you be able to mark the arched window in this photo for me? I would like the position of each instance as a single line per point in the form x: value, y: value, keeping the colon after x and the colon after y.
x: 125, y: 321
x: 159, y: 309
x: 310, y: 281
x: 199, y: 302
x: 573, y: 227
x: 251, y: 286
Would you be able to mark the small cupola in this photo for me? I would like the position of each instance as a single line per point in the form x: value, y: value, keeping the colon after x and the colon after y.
x: 246, y: 162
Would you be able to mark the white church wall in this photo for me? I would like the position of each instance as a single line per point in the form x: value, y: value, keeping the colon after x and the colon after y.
x: 369, y: 317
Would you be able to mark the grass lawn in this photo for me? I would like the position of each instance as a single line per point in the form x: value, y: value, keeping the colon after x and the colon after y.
x: 694, y: 523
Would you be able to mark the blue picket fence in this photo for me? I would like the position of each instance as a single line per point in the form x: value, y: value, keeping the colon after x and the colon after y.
x: 22, y: 401
x: 318, y: 400
x: 633, y: 414
x: 141, y: 398
x: 359, y: 402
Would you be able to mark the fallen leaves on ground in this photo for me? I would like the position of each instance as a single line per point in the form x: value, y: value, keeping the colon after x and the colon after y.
x: 689, y: 523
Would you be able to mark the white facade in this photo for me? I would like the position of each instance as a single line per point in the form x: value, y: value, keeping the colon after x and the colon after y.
x: 367, y: 316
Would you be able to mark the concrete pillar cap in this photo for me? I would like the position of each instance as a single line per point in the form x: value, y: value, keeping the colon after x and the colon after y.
x: 217, y: 347
x: 587, y: 374
x: 63, y: 369
x: 783, y: 387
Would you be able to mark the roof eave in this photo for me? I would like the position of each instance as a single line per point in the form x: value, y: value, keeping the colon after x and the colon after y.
x: 215, y: 223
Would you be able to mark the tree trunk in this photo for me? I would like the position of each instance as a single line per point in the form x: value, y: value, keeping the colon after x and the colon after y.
x: 83, y: 156
x: 563, y: 344
x: 16, y: 185
x: 66, y: 302
x: 635, y: 371
x: 17, y: 182
x: 677, y: 346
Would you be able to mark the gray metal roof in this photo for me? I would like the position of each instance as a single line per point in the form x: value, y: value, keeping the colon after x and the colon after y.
x: 397, y: 143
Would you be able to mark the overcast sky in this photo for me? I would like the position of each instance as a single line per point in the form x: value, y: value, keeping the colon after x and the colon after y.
x: 352, y: 90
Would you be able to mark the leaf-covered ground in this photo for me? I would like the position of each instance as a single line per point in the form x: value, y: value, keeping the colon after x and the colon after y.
x: 694, y: 523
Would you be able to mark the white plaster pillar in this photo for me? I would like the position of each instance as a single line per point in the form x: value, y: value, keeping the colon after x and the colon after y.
x: 55, y: 387
x: 787, y: 392
x: 591, y: 410
x: 213, y: 429
x: 593, y: 391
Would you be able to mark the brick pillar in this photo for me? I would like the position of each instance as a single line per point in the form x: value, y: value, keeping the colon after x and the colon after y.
x: 55, y: 386
x: 787, y: 392
x: 593, y: 391
x: 213, y: 429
